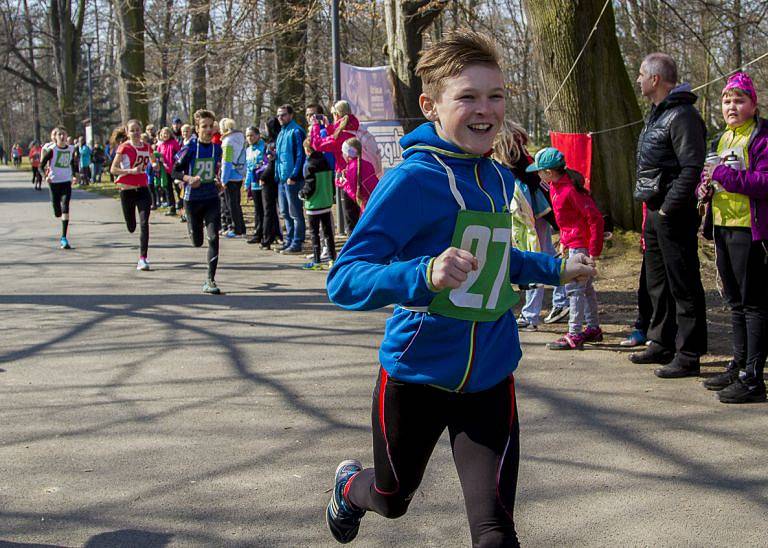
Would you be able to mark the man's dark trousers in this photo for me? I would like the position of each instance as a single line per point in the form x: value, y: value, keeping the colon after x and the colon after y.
x: 674, y: 283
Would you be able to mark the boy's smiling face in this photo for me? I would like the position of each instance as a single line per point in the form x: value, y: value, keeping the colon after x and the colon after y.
x: 470, y: 110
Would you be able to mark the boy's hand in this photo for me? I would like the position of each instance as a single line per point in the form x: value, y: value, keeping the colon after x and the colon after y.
x: 578, y: 268
x: 451, y: 268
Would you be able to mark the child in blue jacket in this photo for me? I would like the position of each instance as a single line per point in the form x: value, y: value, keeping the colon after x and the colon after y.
x: 435, y: 242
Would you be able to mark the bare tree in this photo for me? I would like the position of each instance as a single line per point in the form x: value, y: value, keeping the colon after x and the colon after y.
x: 559, y: 29
x: 132, y: 85
x: 200, y: 20
x: 406, y: 22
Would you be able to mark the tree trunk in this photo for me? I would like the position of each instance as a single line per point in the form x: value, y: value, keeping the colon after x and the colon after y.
x: 406, y: 21
x: 66, y: 54
x: 35, y: 98
x: 200, y: 20
x: 132, y: 84
x: 165, y: 84
x: 559, y: 30
x: 290, y: 47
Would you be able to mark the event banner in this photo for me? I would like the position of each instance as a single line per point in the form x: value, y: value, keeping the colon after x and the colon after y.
x: 369, y: 92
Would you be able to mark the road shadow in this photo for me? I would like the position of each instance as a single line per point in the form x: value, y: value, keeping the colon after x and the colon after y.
x: 129, y: 538
x: 7, y: 544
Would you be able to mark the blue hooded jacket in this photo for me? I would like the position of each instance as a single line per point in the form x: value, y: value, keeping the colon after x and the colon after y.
x: 408, y: 221
x: 290, y: 152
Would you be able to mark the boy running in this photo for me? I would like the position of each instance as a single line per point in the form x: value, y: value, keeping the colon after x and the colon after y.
x: 435, y: 241
x: 198, y: 165
x: 60, y: 167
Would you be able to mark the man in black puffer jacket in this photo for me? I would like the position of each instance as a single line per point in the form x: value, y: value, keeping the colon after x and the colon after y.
x: 670, y: 157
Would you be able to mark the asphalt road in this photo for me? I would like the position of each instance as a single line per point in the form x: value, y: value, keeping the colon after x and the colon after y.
x: 136, y: 411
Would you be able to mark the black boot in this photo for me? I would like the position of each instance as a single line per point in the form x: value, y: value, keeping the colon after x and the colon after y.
x: 681, y: 366
x: 654, y: 353
x: 721, y: 380
x: 741, y: 392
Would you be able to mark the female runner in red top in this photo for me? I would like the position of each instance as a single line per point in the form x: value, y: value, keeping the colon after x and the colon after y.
x: 130, y: 166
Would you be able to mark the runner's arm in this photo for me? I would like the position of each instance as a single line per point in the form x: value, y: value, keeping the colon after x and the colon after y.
x: 368, y: 274
x: 47, y: 155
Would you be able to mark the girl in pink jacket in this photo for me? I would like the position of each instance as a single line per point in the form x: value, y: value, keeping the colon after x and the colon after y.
x: 581, y: 232
x: 357, y: 180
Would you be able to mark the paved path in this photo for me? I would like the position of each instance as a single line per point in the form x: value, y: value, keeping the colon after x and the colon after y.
x: 136, y: 411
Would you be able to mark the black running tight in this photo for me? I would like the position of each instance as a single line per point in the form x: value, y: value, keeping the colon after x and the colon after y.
x: 205, y: 214
x: 61, y: 194
x: 139, y: 200
x: 408, y: 420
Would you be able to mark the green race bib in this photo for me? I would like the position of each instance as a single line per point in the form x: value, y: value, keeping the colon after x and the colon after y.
x: 487, y: 293
x: 63, y: 160
x: 204, y: 169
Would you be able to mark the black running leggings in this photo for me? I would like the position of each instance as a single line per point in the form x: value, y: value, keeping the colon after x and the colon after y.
x: 133, y: 200
x: 61, y: 193
x: 205, y: 214
x: 408, y: 420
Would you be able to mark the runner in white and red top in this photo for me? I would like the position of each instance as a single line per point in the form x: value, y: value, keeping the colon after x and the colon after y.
x: 130, y: 166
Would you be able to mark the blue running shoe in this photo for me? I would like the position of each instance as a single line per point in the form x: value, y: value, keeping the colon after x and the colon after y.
x: 64, y: 243
x: 343, y: 520
x: 636, y: 338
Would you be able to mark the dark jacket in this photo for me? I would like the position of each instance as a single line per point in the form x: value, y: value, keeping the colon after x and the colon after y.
x: 753, y: 181
x: 267, y: 176
x: 670, y: 153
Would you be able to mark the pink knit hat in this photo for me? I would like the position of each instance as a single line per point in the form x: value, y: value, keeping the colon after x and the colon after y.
x: 742, y: 82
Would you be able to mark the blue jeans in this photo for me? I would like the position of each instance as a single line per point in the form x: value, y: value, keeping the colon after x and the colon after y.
x: 292, y: 212
x: 534, y: 298
x: 583, y: 301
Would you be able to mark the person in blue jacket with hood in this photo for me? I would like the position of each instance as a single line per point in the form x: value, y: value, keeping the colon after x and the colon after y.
x: 435, y: 241
x: 289, y: 166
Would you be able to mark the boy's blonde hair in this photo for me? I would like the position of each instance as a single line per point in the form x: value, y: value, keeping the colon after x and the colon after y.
x: 451, y: 55
x: 341, y: 108
x: 508, y: 147
x: 227, y: 125
x: 308, y: 145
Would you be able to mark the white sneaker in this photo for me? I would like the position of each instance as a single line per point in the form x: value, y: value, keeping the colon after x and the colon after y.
x: 325, y: 256
x: 143, y: 264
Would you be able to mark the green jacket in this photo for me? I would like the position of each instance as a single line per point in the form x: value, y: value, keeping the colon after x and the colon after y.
x: 317, y: 192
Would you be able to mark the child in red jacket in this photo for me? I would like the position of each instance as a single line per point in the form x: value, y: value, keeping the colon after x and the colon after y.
x: 581, y: 231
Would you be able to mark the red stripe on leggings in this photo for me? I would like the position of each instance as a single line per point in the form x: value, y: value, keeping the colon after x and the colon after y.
x: 383, y: 426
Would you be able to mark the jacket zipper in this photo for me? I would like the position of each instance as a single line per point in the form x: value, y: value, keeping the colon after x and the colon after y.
x: 470, y: 359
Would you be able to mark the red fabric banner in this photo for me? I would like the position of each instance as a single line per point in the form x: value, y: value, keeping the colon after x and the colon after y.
x: 577, y: 148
